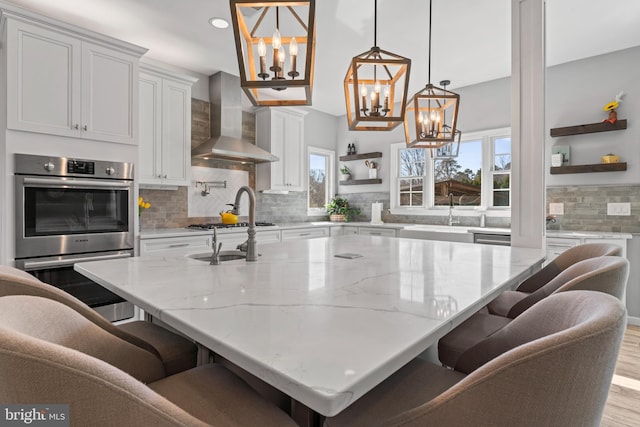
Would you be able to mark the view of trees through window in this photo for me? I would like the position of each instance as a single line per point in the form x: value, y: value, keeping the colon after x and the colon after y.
x: 461, y: 176
x: 412, y: 164
x: 317, y: 181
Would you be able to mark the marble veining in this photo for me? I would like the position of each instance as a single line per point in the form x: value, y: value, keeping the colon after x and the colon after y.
x: 323, y: 329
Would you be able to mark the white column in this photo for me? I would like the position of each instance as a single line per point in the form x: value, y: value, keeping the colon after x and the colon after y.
x: 527, y: 123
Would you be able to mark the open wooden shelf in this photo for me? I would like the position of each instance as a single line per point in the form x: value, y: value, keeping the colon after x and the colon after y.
x: 361, y: 156
x: 589, y: 128
x: 599, y: 167
x: 361, y: 181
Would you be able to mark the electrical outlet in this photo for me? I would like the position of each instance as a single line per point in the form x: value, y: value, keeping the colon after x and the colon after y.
x: 556, y: 208
x: 619, y: 209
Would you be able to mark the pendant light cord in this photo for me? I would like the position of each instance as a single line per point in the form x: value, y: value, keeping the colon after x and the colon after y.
x: 430, y: 14
x: 375, y: 23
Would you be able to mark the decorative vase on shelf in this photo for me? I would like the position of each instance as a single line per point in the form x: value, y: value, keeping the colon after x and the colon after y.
x: 345, y: 176
x: 337, y: 218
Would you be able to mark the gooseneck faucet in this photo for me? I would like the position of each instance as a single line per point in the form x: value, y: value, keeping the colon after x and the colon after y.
x: 250, y: 245
x: 451, y: 220
x: 215, y: 257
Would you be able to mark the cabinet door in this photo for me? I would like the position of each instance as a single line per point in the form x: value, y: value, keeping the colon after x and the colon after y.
x: 109, y: 94
x: 293, y: 161
x: 150, y: 130
x: 278, y: 147
x: 176, y: 133
x: 43, y: 80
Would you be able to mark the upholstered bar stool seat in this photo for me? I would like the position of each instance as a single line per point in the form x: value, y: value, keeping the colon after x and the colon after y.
x: 177, y: 352
x: 508, y: 299
x: 550, y: 366
x: 50, y: 353
x: 469, y: 333
x: 606, y: 274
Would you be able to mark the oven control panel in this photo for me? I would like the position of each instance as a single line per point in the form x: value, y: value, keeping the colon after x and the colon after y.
x: 27, y: 164
x: 81, y: 167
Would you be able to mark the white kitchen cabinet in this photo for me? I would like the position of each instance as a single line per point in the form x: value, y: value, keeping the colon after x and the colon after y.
x: 165, y: 127
x: 376, y: 231
x: 60, y: 83
x: 175, y: 246
x: 304, y: 233
x: 557, y: 245
x: 281, y: 132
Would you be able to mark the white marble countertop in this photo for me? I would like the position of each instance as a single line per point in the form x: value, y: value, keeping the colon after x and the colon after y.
x: 323, y: 329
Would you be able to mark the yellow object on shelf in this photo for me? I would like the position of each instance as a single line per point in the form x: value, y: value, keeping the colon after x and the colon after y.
x: 228, y: 218
x: 610, y: 158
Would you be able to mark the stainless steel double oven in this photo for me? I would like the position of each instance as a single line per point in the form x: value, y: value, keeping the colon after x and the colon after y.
x: 72, y: 210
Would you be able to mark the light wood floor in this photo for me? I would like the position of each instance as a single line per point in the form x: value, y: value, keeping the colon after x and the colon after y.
x: 623, y: 404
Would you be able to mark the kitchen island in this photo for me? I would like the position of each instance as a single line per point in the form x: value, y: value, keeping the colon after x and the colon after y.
x: 321, y: 328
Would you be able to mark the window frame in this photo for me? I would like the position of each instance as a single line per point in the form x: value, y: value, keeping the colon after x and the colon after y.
x: 330, y: 183
x: 488, y: 157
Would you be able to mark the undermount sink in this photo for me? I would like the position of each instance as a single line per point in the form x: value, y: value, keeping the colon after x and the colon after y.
x: 224, y: 256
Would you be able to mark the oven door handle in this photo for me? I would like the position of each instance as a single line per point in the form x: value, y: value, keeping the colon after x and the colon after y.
x: 39, y: 265
x: 75, y: 183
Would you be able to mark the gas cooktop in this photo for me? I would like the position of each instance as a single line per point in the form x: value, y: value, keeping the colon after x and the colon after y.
x: 211, y: 225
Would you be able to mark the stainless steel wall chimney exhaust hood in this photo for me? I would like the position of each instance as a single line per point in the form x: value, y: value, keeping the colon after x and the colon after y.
x: 226, y: 141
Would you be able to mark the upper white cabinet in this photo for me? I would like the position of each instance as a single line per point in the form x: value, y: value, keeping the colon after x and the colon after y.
x: 165, y: 127
x: 281, y: 132
x: 61, y: 83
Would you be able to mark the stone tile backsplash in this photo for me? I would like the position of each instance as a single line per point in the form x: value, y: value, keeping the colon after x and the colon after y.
x: 585, y: 208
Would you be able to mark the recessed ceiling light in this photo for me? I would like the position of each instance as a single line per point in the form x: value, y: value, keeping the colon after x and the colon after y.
x: 219, y: 22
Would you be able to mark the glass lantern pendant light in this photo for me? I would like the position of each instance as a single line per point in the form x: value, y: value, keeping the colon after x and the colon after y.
x: 270, y: 73
x: 432, y: 113
x: 376, y: 81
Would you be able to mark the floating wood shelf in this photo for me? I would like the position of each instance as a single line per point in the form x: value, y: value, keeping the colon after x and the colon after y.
x: 600, y: 167
x: 361, y: 156
x: 361, y: 181
x: 589, y: 128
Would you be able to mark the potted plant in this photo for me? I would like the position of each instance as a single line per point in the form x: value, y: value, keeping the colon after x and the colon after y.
x: 345, y: 173
x: 610, y: 158
x: 339, y: 210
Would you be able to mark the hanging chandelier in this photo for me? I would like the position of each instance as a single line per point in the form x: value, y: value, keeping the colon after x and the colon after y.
x: 376, y: 81
x: 426, y: 123
x: 275, y: 45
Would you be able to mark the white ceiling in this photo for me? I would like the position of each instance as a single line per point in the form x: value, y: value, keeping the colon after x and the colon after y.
x: 471, y: 38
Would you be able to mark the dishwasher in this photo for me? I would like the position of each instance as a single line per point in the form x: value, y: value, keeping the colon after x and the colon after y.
x: 488, y: 238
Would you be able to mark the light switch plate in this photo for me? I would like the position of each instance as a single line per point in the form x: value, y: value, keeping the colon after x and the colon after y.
x: 619, y: 209
x: 556, y: 208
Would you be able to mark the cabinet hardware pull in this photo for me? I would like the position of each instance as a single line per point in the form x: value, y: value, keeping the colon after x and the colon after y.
x: 178, y: 245
x: 76, y: 126
x: 303, y: 234
x: 84, y: 127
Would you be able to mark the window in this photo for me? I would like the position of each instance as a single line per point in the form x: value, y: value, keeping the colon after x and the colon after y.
x: 479, y: 177
x: 321, y: 180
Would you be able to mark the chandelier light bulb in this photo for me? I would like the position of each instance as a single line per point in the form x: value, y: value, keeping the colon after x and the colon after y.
x: 293, y: 47
x: 277, y: 40
x: 377, y: 86
x: 262, y: 47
